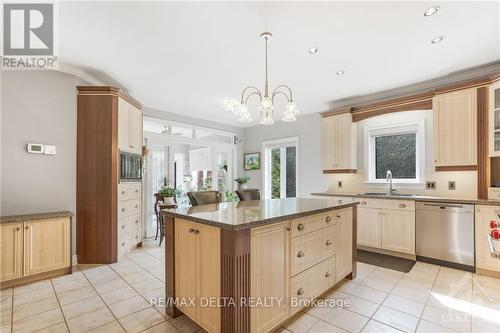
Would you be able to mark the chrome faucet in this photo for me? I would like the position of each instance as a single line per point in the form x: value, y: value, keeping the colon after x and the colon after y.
x: 388, y: 178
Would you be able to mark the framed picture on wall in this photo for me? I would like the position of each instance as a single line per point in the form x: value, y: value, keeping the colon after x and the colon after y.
x: 251, y: 161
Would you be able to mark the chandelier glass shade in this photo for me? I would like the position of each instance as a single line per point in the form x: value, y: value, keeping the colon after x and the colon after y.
x: 266, y: 106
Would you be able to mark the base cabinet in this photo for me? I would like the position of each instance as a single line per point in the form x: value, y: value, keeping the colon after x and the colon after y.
x: 46, y: 245
x: 484, y: 260
x: 398, y: 231
x: 369, y: 227
x: 270, y: 273
x: 34, y: 250
x: 11, y: 251
x: 197, y: 271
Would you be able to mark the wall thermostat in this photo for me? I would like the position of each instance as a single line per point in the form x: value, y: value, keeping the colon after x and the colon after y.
x: 35, y: 148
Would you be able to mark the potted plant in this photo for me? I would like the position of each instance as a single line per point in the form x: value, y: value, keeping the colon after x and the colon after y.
x: 169, y: 193
x: 242, y: 182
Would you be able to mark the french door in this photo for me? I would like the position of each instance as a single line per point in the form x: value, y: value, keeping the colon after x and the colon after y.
x: 281, y: 168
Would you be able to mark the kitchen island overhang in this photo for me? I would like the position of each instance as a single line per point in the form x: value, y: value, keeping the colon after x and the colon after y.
x: 247, y: 253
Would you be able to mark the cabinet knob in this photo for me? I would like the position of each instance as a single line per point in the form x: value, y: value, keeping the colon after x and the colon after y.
x: 435, y: 161
x: 339, y: 202
x: 300, y: 292
x: 191, y: 231
x: 136, y: 206
x: 123, y: 209
x: 26, y: 228
x: 402, y: 205
x: 287, y: 228
x: 123, y: 226
x: 338, y: 216
x: 328, y: 274
x: 17, y: 229
x: 136, y: 191
x: 363, y: 202
x: 136, y: 221
x: 123, y: 244
x: 328, y: 243
x: 136, y: 237
x: 328, y: 219
x: 196, y: 231
x: 300, y: 254
x: 300, y: 227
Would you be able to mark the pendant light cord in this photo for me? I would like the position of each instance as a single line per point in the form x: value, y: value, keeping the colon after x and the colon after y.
x: 266, y: 88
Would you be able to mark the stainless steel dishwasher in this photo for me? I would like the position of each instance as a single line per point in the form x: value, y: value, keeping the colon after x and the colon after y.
x: 445, y: 234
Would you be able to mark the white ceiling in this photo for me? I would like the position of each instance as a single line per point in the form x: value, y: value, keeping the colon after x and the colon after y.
x: 187, y: 57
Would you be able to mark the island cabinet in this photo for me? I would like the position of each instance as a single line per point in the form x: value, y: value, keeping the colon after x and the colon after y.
x: 487, y: 262
x: 250, y: 266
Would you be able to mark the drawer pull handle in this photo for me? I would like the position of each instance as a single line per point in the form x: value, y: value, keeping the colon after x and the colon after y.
x: 300, y: 292
x: 402, y: 205
x: 123, y: 192
x: 123, y: 226
x: 328, y: 243
x: 328, y: 274
x: 363, y: 202
x: 338, y: 216
x: 328, y: 219
x: 300, y: 227
x: 300, y: 254
x: 123, y: 209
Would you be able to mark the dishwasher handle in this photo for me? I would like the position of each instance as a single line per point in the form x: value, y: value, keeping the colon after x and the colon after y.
x: 444, y: 205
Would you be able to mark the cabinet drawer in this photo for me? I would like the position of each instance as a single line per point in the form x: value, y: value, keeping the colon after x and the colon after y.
x: 386, y: 204
x: 308, y: 250
x: 135, y: 237
x: 127, y: 191
x: 494, y: 193
x: 311, y: 283
x: 129, y: 207
x: 312, y: 223
x: 129, y: 223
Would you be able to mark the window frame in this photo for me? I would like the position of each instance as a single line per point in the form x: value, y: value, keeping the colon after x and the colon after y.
x: 371, y: 133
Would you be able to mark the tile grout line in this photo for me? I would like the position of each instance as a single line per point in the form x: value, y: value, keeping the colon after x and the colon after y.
x: 12, y: 310
x: 59, y: 303
x: 116, y: 319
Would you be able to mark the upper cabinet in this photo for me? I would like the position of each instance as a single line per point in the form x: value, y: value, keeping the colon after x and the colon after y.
x: 455, y: 129
x: 494, y: 125
x: 129, y: 127
x: 338, y: 143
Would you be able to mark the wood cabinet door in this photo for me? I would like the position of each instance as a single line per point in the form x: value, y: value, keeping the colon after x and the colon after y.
x: 185, y: 265
x: 494, y: 119
x: 455, y: 127
x: 208, y: 276
x: 123, y: 124
x: 369, y: 227
x: 46, y: 245
x: 343, y: 244
x: 270, y: 274
x: 135, y: 130
x: 328, y: 142
x: 11, y: 251
x: 485, y: 214
x: 398, y: 231
x: 346, y: 139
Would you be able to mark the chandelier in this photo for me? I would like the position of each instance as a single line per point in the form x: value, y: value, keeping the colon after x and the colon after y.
x: 266, y: 107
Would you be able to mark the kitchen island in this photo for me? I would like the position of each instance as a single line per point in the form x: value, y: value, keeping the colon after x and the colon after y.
x: 249, y: 266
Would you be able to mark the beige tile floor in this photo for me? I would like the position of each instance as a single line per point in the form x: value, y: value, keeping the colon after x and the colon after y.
x: 115, y: 298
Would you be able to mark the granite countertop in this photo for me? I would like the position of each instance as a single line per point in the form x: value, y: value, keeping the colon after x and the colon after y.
x: 34, y: 217
x: 414, y: 198
x: 250, y: 214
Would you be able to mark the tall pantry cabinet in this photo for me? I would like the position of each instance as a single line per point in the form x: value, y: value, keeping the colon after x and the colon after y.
x: 108, y: 211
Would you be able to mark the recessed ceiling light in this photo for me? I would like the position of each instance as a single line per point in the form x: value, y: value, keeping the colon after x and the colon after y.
x: 437, y: 39
x: 313, y: 50
x: 431, y: 11
x: 340, y: 72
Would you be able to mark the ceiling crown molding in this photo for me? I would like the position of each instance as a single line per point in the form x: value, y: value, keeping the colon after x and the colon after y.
x: 80, y: 73
x: 479, y: 72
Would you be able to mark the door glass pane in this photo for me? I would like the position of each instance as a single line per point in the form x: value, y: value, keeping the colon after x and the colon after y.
x: 497, y: 118
x: 275, y: 173
x: 497, y: 141
x: 396, y: 153
x: 497, y: 98
x: 290, y: 172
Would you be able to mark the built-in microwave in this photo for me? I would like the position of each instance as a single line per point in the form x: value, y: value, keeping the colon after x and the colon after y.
x: 130, y: 167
